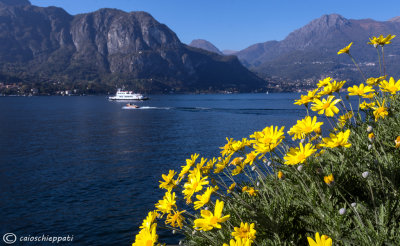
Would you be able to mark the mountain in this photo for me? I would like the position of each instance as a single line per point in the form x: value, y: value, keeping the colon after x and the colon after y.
x: 205, y: 45
x: 229, y: 52
x: 109, y: 48
x: 310, y: 53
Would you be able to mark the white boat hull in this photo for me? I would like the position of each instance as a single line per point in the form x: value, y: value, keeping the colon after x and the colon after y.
x: 127, y: 96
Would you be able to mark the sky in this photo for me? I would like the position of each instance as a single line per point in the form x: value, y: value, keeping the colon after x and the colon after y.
x: 236, y: 24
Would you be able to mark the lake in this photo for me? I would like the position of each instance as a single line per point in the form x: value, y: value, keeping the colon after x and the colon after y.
x: 84, y: 166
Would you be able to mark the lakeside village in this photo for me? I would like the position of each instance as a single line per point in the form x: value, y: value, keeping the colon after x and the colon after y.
x: 21, y: 89
x: 82, y: 89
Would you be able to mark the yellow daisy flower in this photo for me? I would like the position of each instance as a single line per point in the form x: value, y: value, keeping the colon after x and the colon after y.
x: 361, y: 90
x: 304, y: 127
x: 210, y: 165
x: 250, y: 157
x: 245, y: 231
x: 324, y: 82
x: 211, y: 220
x: 169, y: 183
x: 195, y: 184
x: 365, y: 105
x: 397, y: 142
x: 221, y: 164
x: 242, y: 242
x: 380, y: 111
x: 167, y: 204
x: 175, y: 219
x: 299, y: 155
x: 375, y: 41
x: 340, y: 139
x: 239, y: 145
x: 227, y: 148
x: 231, y: 187
x: 189, y: 163
x: 251, y: 191
x: 203, y: 199
x: 330, y: 88
x: 320, y: 241
x: 266, y: 140
x: 329, y: 179
x: 344, y: 118
x: 152, y: 215
x: 306, y: 99
x: 375, y: 81
x: 146, y: 237
x: 326, y: 106
x: 392, y: 86
x: 345, y: 49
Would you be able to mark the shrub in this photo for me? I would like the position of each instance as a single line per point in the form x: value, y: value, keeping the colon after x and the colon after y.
x: 268, y: 190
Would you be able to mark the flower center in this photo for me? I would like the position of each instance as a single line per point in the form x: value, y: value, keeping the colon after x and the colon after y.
x: 213, y: 220
x: 195, y: 184
x: 393, y: 89
x: 307, y: 129
x: 244, y: 233
x: 326, y: 105
x: 301, y: 157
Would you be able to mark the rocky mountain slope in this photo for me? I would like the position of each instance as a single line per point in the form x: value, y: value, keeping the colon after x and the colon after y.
x: 109, y: 47
x: 309, y: 53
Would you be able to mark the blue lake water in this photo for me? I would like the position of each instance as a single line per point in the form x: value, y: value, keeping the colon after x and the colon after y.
x: 84, y: 166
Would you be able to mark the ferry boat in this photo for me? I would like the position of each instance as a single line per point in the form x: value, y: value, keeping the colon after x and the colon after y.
x: 127, y: 95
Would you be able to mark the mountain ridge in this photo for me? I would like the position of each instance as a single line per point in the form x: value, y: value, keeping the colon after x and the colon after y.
x: 309, y: 53
x: 111, y: 47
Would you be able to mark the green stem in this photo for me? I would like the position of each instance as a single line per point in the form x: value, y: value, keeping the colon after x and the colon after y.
x: 383, y: 61
x: 373, y: 202
x: 354, y: 61
x: 379, y: 58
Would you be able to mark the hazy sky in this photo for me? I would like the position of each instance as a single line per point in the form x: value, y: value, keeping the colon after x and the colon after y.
x: 236, y: 24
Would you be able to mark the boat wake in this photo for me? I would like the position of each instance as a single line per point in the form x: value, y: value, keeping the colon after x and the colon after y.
x: 145, y: 107
x: 255, y: 111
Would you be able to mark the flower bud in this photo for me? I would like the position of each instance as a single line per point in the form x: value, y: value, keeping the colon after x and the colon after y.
x: 253, y: 168
x: 302, y: 141
x: 269, y: 163
x: 369, y: 129
x: 281, y: 175
x: 371, y: 137
x: 258, y: 183
x: 300, y: 168
x: 354, y: 204
x: 365, y: 174
x: 369, y: 147
x: 173, y: 231
x: 342, y: 211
